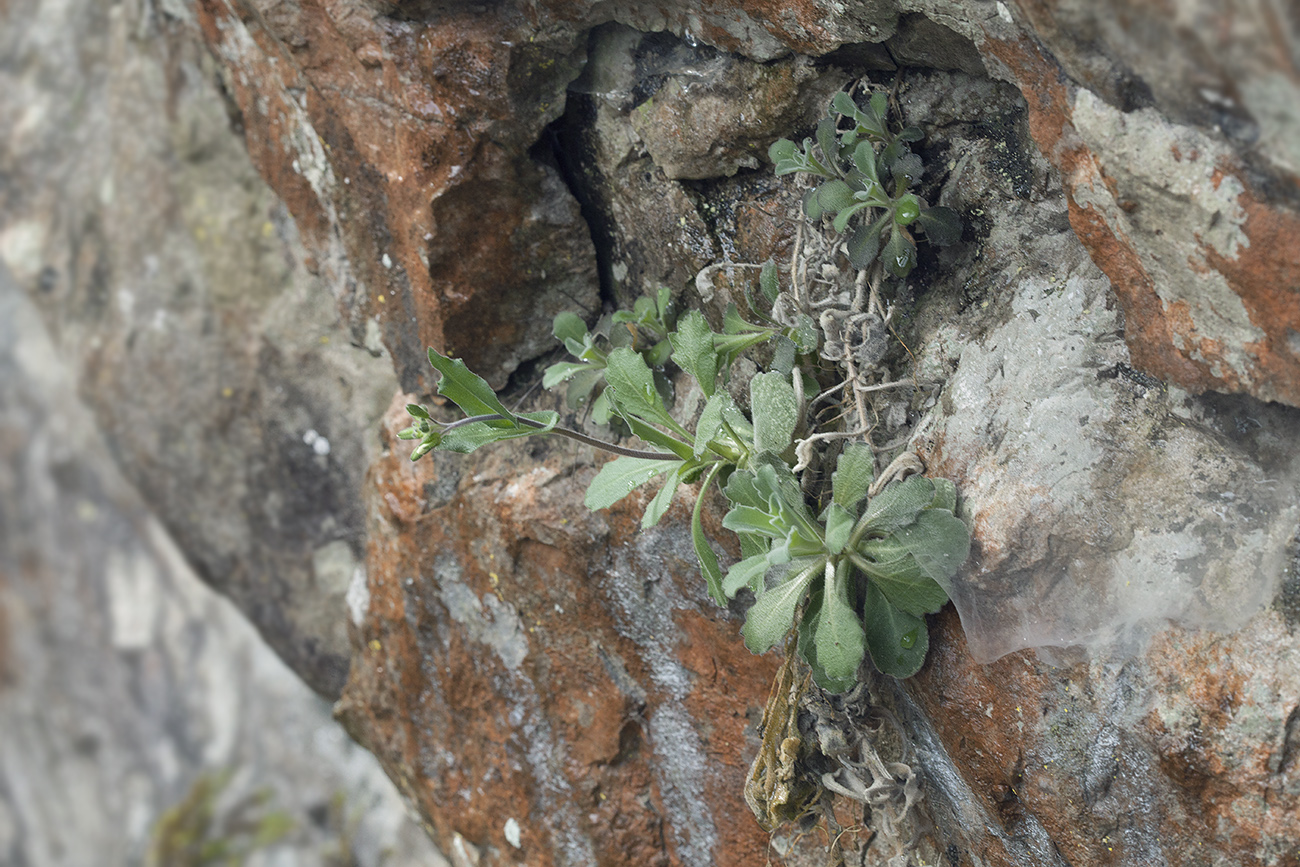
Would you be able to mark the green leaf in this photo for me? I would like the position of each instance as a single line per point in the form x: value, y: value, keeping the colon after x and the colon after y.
x: 879, y: 106
x: 835, y: 195
x: 748, y: 572
x: 805, y: 334
x: 734, y: 324
x: 772, y: 616
x: 581, y: 386
x: 854, y: 473
x: 467, y: 390
x: 907, y: 209
x: 633, y: 386
x: 839, y: 526
x: 781, y: 149
x: 664, y: 499
x: 906, y: 170
x: 783, y: 355
x: 704, y: 551
x: 654, y: 436
x: 737, y: 423
x: 841, y: 221
x: 898, y: 641
x: 939, y: 541
x: 561, y: 372
x: 768, y: 281
x: 889, y: 564
x: 601, y: 409
x: 622, y: 476
x: 864, y: 157
x: 844, y: 104
x: 569, y: 326
x: 864, y: 245
x: 467, y: 438
x: 710, y: 427
x: 897, y: 505
x: 911, y: 134
x: 840, y: 640
x: 826, y: 139
x: 693, y: 350
x: 742, y: 490
x: 942, y: 226
x: 747, y: 519
x: 658, y: 355
x: 664, y: 301
x: 899, y: 254
x: 775, y: 411
x: 417, y: 411
x: 811, y: 207
x: 912, y: 592
x: 945, y: 495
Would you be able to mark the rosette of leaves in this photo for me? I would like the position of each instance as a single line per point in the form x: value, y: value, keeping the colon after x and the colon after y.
x: 860, y: 575
x: 867, y: 172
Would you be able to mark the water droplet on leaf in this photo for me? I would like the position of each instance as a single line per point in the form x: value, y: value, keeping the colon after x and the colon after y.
x: 908, y: 641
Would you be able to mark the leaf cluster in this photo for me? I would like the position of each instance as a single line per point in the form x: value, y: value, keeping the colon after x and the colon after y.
x: 855, y: 575
x: 867, y: 172
x: 644, y: 329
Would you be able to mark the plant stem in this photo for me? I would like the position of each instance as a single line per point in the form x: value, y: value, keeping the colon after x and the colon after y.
x: 570, y: 434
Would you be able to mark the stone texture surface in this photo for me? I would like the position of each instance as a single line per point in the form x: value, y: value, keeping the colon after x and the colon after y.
x: 1128, y: 181
x: 1192, y: 217
x: 125, y: 681
x: 225, y: 382
x: 520, y: 659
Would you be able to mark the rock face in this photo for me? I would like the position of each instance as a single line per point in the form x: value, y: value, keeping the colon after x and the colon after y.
x: 127, y: 686
x: 1107, y: 364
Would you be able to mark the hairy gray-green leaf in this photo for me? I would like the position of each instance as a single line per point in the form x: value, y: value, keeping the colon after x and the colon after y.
x: 945, y: 495
x: 829, y: 144
x: 839, y: 526
x: 622, y: 476
x: 898, y: 641
x: 899, y: 254
x: 748, y: 572
x: 939, y: 541
x: 768, y: 281
x: 634, y: 389
x: 854, y: 473
x: 775, y: 410
x: 664, y: 499
x: 772, y: 616
x: 835, y: 195
x: 466, y: 389
x: 840, y: 640
x: 467, y: 438
x: 864, y: 244
x: 710, y: 426
x: 898, y: 504
x: 942, y: 226
x: 569, y: 326
x: 561, y: 371
x: 693, y: 350
x: 900, y: 579
x: 747, y: 519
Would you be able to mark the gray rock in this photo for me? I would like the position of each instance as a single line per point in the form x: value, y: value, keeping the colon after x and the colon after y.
x: 126, y: 684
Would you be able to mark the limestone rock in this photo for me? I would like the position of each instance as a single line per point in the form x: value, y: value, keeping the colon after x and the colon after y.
x: 1092, y: 363
x: 127, y: 685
